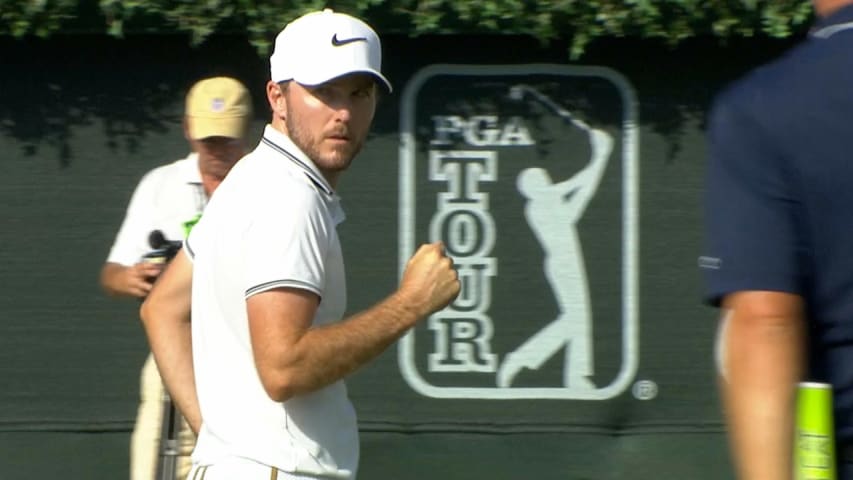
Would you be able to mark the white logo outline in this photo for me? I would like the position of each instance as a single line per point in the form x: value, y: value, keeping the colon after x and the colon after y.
x: 630, y: 240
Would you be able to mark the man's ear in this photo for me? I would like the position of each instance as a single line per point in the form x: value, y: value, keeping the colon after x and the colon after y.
x: 276, y: 99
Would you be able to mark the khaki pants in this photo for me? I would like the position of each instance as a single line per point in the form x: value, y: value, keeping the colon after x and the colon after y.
x: 145, y: 440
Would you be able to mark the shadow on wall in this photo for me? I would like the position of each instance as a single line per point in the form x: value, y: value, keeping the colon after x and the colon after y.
x: 133, y: 87
x: 676, y: 86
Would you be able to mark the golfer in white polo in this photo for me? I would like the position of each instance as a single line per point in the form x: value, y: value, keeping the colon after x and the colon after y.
x: 259, y: 369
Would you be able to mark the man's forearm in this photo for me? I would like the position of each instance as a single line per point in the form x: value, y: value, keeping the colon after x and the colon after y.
x: 764, y: 362
x: 128, y: 281
x: 344, y: 347
x: 111, y: 280
x: 328, y: 353
x: 172, y: 349
x: 165, y: 315
x: 294, y: 357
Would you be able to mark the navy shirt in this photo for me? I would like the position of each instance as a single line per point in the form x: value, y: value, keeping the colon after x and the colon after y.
x: 779, y: 196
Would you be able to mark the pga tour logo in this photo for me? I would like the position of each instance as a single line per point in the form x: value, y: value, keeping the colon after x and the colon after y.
x: 528, y: 174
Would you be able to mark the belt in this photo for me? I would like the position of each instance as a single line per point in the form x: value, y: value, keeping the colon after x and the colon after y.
x: 245, y: 469
x: 201, y: 471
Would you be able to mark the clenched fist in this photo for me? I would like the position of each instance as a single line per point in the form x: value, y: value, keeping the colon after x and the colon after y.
x: 430, y: 282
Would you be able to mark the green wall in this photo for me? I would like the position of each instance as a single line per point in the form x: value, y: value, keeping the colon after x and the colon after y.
x: 82, y: 118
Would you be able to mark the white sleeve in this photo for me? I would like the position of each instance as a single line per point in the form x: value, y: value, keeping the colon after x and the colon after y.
x: 287, y: 246
x: 131, y: 242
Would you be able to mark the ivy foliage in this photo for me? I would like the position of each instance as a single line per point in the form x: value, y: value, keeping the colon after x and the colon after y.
x: 577, y: 21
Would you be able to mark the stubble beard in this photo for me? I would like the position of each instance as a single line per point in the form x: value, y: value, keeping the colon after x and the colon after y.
x: 337, y: 160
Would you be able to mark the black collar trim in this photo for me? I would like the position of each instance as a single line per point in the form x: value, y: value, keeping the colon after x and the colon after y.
x: 312, y: 175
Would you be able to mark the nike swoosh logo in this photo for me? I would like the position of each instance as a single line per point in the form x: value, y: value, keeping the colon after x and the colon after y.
x: 345, y: 41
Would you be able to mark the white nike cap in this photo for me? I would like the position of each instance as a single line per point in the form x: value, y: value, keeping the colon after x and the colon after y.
x: 320, y: 46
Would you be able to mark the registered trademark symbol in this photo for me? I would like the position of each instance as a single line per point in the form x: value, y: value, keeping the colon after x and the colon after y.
x: 645, y: 390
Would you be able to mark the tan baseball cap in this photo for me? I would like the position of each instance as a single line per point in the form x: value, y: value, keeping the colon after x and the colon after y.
x: 218, y: 107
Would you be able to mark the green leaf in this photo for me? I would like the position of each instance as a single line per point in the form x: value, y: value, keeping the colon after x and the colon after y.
x: 580, y: 22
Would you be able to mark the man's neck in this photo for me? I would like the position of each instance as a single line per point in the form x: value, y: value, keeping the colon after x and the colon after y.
x: 330, y: 176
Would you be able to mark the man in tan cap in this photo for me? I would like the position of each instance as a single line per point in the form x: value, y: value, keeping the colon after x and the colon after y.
x: 166, y: 204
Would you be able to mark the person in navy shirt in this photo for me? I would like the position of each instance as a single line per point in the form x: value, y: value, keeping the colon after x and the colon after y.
x: 778, y: 258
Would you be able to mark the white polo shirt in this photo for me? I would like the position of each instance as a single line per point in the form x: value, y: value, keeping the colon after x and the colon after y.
x: 167, y: 198
x: 272, y: 223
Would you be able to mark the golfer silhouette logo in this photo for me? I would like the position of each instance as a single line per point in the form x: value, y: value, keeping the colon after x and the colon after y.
x: 529, y: 176
x: 552, y: 212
